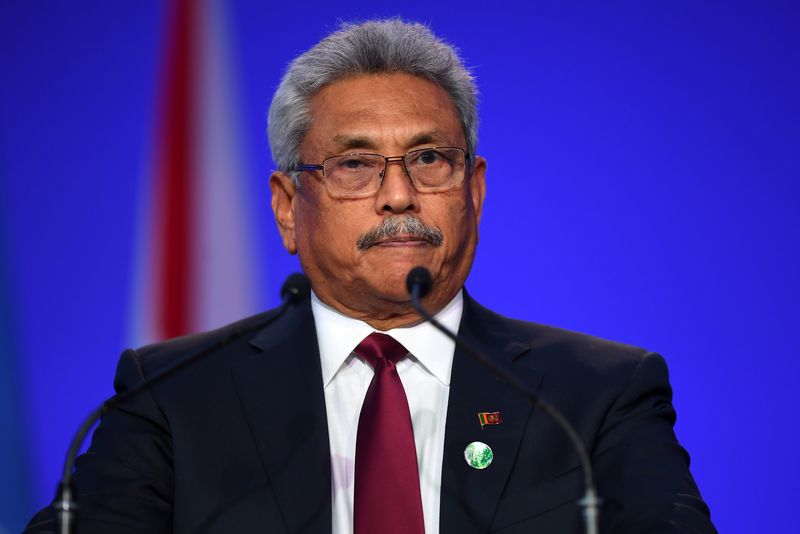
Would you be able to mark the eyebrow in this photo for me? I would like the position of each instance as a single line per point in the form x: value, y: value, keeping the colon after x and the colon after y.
x: 346, y: 142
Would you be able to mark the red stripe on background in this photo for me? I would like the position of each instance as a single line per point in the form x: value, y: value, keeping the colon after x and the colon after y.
x: 174, y: 180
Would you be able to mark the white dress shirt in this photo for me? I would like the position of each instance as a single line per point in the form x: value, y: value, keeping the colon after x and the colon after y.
x: 425, y: 375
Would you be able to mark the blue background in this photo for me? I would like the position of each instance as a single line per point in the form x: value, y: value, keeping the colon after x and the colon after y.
x: 643, y: 186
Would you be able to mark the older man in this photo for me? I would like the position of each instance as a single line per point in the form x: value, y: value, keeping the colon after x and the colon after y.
x: 346, y: 413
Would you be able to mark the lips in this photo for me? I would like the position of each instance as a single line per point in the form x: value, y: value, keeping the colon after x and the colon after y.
x: 404, y: 240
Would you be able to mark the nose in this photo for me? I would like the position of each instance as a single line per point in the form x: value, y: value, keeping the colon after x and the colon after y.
x: 396, y: 194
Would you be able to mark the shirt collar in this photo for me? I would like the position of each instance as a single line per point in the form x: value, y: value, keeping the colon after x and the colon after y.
x: 339, y: 334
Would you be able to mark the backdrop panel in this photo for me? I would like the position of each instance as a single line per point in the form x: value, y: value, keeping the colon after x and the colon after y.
x: 642, y: 186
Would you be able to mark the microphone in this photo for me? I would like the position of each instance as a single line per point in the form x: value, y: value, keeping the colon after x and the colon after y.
x: 295, y: 289
x: 419, y: 283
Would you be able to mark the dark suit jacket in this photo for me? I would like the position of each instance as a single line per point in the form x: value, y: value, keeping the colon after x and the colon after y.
x: 238, y: 442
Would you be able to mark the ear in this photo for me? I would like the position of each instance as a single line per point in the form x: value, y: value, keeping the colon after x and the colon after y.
x: 284, y: 191
x: 477, y: 185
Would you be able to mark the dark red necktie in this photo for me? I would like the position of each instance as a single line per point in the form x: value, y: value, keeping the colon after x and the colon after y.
x: 387, y: 496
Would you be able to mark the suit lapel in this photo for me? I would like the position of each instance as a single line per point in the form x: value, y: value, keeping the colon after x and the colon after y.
x: 469, y: 496
x: 281, y: 394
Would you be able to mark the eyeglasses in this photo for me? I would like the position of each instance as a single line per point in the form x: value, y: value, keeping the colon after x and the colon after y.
x: 437, y: 168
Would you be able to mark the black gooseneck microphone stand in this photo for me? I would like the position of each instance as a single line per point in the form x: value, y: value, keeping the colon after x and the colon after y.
x: 419, y: 284
x: 295, y: 288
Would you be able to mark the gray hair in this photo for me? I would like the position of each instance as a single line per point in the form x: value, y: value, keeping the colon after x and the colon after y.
x: 372, y: 47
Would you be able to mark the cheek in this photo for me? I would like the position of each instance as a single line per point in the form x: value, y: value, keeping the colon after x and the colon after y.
x: 456, y: 218
x: 326, y: 228
x: 311, y: 218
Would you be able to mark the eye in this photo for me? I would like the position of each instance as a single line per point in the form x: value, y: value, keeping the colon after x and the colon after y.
x: 429, y: 157
x: 355, y: 162
x: 351, y: 162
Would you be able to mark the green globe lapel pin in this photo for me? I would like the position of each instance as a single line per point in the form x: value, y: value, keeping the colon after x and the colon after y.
x: 478, y: 455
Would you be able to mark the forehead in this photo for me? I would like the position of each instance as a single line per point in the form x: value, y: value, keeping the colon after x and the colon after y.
x: 381, y: 111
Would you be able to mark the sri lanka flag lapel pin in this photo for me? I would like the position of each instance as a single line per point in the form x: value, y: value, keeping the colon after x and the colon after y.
x: 489, y: 418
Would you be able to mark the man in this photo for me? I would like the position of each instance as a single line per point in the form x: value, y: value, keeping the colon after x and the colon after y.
x: 346, y: 413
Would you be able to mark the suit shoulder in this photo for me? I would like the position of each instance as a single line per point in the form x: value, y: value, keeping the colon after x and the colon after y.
x: 550, y: 343
x: 157, y: 356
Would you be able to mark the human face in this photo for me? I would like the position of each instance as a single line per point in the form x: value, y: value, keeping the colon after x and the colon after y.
x: 388, y: 114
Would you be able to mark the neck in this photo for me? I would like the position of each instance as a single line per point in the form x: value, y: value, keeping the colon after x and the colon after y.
x: 387, y: 315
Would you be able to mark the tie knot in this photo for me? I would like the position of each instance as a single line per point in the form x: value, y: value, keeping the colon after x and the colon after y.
x: 379, y: 347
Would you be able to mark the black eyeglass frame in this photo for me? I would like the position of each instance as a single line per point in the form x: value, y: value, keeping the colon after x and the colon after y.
x: 387, y: 159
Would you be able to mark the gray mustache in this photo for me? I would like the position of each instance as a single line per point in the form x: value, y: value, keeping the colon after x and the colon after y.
x: 395, y: 225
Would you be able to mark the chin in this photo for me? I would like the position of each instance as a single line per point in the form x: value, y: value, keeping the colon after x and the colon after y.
x: 391, y: 284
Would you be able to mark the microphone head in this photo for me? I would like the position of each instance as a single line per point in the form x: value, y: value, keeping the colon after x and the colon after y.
x: 420, y: 278
x: 295, y: 288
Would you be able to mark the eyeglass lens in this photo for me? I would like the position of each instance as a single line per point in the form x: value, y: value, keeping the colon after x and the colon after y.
x: 428, y: 168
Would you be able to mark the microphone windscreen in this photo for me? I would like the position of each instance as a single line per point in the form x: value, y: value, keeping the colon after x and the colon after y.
x: 419, y: 277
x: 296, y: 287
